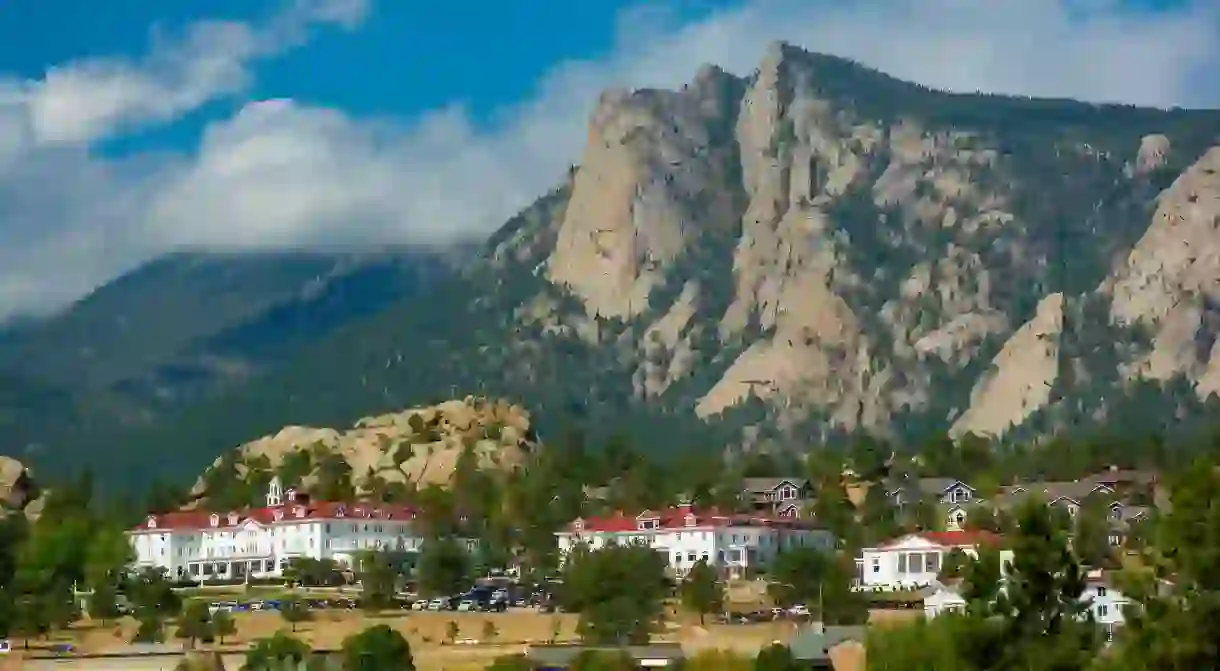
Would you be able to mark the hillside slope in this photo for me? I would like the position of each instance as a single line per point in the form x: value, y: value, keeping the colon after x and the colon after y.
x: 183, y: 328
x: 811, y: 251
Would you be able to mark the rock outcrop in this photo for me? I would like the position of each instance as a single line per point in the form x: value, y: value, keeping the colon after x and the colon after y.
x: 420, y: 446
x: 18, y: 490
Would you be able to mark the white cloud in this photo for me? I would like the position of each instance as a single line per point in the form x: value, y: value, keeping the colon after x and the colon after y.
x: 281, y: 174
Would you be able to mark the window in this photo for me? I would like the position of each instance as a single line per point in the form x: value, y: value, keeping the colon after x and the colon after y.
x: 876, y: 565
x: 1101, y: 591
x: 152, y: 522
x: 1103, y: 610
x: 648, y: 525
x: 689, y: 520
x: 931, y: 562
x: 214, y: 520
x: 902, y: 563
x: 787, y: 493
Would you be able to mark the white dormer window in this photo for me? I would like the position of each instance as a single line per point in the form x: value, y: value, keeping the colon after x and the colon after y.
x: 340, y: 511
x: 291, y: 495
x: 152, y: 522
x: 299, y: 511
x: 579, y: 525
x: 279, y: 515
x: 232, y: 519
x: 214, y: 520
x: 689, y: 520
x: 648, y: 525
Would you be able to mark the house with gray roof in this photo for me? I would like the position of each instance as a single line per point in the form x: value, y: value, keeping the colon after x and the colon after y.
x: 786, y: 497
x: 812, y: 646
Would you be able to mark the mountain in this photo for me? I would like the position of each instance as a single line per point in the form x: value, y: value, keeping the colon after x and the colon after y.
x: 812, y: 251
x: 183, y: 328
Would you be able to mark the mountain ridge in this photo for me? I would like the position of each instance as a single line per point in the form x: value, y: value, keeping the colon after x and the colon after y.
x: 789, y: 258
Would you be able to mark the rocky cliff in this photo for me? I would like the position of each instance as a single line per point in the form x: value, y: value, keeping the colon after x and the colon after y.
x: 808, y: 251
x: 867, y: 254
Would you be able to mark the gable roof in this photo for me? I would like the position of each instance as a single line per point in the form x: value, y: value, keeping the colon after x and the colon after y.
x: 1050, y: 491
x: 760, y: 485
x: 949, y: 539
x: 934, y: 486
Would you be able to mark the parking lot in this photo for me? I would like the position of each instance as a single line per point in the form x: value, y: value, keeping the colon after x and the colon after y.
x: 476, y: 599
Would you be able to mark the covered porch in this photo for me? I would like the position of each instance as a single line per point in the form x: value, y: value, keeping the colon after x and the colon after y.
x: 232, y: 569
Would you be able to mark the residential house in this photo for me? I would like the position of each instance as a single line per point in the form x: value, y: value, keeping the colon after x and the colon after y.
x: 816, y: 646
x: 732, y: 543
x: 1070, y: 496
x: 951, y: 495
x: 1129, y: 484
x: 1123, y: 518
x: 785, y: 497
x: 939, y: 598
x: 915, y: 560
x: 1106, y: 602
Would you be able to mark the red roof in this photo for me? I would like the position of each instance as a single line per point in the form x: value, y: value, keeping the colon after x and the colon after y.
x: 679, y: 517
x: 286, y: 513
x: 951, y: 539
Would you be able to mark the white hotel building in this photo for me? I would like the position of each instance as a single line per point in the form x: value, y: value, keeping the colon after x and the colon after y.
x: 259, y: 542
x: 728, y: 542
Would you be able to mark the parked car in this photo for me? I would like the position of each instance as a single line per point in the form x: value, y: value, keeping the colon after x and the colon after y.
x: 799, y: 610
x: 5, y: 646
x: 437, y: 604
x: 422, y: 604
x: 465, y: 606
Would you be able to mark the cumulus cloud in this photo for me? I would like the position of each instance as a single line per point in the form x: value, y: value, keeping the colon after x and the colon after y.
x: 280, y: 174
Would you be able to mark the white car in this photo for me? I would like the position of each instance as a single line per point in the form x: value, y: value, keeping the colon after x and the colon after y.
x: 798, y: 610
x: 436, y: 604
x: 465, y: 606
x: 5, y: 647
x: 420, y: 605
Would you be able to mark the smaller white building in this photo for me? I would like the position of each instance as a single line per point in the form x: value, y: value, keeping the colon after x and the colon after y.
x: 1106, y: 602
x: 939, y: 599
x: 732, y: 543
x: 915, y: 560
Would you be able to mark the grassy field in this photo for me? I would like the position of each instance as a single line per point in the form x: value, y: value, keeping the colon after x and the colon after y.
x: 477, y: 644
x: 428, y: 633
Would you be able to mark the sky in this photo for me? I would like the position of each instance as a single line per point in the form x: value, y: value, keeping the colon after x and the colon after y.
x: 284, y: 124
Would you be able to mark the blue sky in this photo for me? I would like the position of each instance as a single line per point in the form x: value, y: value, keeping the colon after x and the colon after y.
x: 237, y: 124
x: 407, y: 59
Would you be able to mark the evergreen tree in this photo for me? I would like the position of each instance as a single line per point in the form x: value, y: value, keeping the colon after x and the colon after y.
x: 1045, y: 624
x: 701, y: 591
